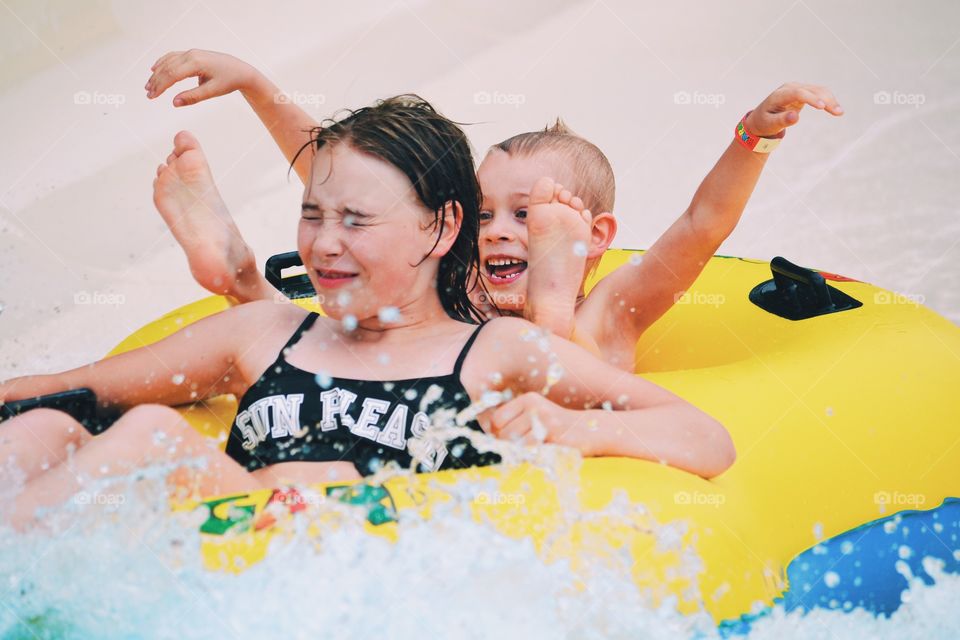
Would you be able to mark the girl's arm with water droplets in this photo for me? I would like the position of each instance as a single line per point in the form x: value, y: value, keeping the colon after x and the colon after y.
x: 199, y: 361
x: 576, y: 400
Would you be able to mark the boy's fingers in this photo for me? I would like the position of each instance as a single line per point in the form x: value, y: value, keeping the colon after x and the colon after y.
x: 174, y: 72
x: 164, y: 58
x: 802, y: 95
x: 195, y: 95
x: 787, y: 118
x: 829, y: 100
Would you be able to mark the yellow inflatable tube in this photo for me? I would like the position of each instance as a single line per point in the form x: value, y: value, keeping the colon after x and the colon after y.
x: 831, y: 416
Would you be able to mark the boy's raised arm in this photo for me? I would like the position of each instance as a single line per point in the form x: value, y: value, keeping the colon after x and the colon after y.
x: 675, y: 260
x: 219, y: 74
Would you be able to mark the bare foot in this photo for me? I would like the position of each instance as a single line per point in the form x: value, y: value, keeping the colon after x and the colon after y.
x: 558, y: 228
x: 187, y: 199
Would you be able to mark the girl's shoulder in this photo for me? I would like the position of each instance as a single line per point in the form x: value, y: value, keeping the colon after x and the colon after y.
x: 504, y: 346
x: 260, y: 329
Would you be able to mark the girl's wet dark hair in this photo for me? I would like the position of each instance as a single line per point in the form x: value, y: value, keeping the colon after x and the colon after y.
x: 433, y: 152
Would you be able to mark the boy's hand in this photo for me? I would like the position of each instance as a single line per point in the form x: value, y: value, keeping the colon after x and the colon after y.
x: 218, y: 74
x: 781, y: 109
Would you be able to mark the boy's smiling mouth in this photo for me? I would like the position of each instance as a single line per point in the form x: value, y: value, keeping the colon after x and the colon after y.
x: 504, y: 269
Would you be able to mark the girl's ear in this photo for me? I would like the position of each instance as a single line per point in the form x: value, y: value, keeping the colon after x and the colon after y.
x: 602, y: 231
x: 452, y: 215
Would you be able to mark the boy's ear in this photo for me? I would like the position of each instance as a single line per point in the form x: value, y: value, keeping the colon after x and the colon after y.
x: 452, y: 215
x: 602, y: 231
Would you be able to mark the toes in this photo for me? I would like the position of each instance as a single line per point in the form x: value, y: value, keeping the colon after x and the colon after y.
x: 542, y: 191
x: 587, y: 216
x: 161, y: 168
x: 576, y: 203
x: 565, y: 197
x: 184, y: 141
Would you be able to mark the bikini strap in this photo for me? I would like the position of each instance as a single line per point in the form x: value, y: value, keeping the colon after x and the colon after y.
x: 465, y: 349
x: 306, y: 324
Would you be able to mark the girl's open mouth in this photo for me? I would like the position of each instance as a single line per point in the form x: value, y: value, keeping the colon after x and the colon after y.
x: 330, y: 279
x: 504, y: 270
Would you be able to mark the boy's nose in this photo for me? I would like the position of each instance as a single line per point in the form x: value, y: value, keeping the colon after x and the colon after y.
x: 499, y: 229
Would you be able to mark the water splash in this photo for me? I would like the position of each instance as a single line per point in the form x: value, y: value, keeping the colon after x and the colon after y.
x: 134, y: 569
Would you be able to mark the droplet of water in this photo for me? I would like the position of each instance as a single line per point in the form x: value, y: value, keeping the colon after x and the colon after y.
x: 846, y: 548
x: 349, y: 322
x: 410, y: 394
x: 389, y: 315
x: 178, y: 378
x: 818, y: 531
x: 383, y: 358
x: 580, y: 249
x: 554, y: 373
x: 344, y: 298
x: 635, y: 259
x: 889, y: 526
x: 324, y: 380
x: 831, y: 579
x: 458, y: 449
x: 904, y: 551
x: 538, y: 430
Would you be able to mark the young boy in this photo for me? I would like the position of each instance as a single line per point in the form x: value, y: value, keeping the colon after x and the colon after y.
x: 539, y: 240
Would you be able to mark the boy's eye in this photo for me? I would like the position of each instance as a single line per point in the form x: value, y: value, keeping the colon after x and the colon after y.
x: 521, y: 214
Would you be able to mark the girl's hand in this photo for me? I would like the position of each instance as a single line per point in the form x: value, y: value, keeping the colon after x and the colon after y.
x: 781, y: 109
x: 531, y: 419
x: 218, y: 74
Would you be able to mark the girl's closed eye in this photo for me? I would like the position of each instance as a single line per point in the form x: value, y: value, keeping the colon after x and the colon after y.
x: 310, y: 212
x: 356, y: 219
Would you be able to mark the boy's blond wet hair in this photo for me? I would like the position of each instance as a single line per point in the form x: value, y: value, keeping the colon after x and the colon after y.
x: 596, y: 185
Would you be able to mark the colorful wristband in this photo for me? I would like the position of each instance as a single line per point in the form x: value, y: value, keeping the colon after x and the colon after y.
x: 756, y: 143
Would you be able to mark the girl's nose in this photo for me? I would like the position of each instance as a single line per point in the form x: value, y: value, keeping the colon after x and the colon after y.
x: 329, y: 239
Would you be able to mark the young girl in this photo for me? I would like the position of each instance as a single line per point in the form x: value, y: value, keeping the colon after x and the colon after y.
x: 538, y: 240
x: 388, y: 235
